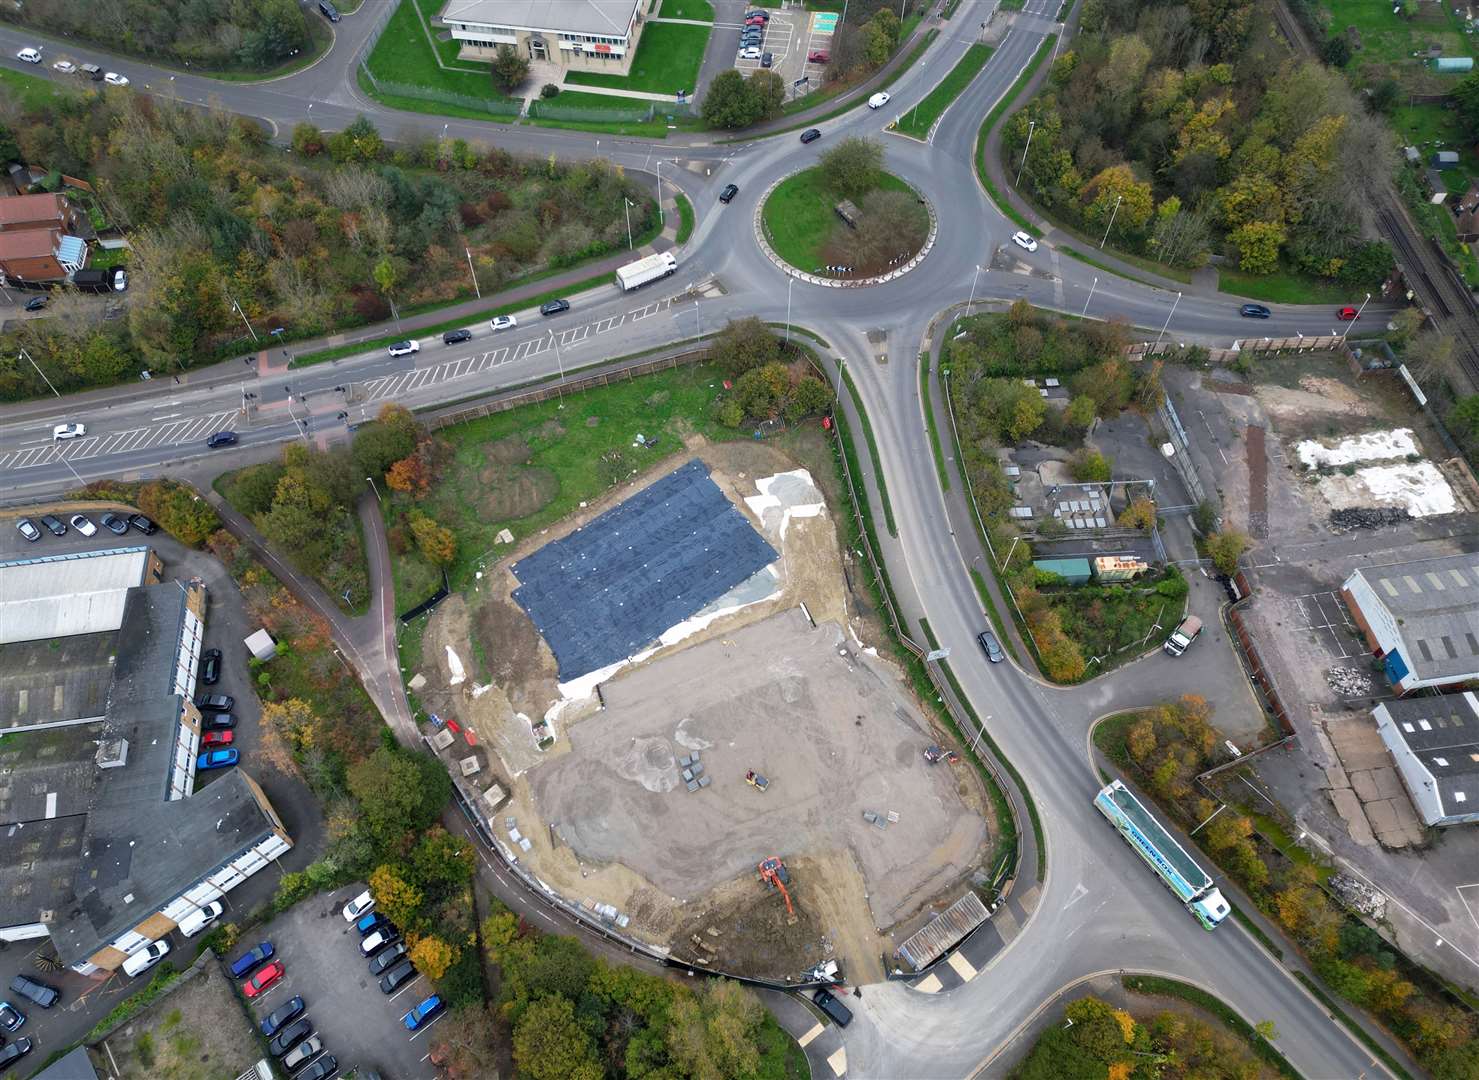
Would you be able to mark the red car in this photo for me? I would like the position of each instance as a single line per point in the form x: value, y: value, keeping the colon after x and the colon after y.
x: 818, y: 57
x: 1347, y: 314
x: 264, y: 979
x: 217, y: 738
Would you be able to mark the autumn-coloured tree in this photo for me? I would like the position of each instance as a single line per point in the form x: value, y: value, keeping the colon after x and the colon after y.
x: 411, y: 475
x: 399, y: 900
x: 1140, y: 514
x: 436, y: 542
x: 431, y: 955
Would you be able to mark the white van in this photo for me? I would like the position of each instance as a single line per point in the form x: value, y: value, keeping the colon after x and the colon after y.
x: 141, y: 960
x: 1183, y: 635
x: 200, y: 918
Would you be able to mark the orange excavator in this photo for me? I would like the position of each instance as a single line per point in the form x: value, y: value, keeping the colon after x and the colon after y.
x: 773, y: 872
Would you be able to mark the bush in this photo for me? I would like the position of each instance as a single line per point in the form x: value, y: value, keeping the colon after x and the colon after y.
x: 549, y: 90
x: 1090, y: 466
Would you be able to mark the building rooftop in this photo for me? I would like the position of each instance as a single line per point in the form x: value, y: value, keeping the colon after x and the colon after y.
x: 29, y: 243
x: 48, y: 774
x: 58, y: 596
x: 37, y: 861
x: 1435, y: 603
x: 45, y: 682
x: 606, y: 17
x: 22, y: 208
x: 1443, y: 732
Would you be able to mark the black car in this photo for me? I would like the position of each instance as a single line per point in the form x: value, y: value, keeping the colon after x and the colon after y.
x: 275, y: 1020
x: 217, y: 721
x: 729, y: 192
x: 14, y: 1052
x: 28, y: 529
x: 321, y: 1069
x: 841, y: 1015
x: 387, y: 957
x: 810, y: 135
x: 991, y: 647
x: 554, y: 307
x: 766, y: 60
x: 36, y: 303
x: 35, y: 990
x: 396, y: 977
x: 456, y: 337
x: 221, y: 438
x: 1254, y: 311
x: 54, y: 525
x: 143, y: 524
x: 290, y: 1036
x: 114, y: 524
x: 210, y: 667
x: 215, y: 702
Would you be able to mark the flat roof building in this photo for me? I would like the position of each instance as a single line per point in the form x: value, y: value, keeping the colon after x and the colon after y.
x: 1435, y: 743
x: 1421, y: 618
x: 575, y: 35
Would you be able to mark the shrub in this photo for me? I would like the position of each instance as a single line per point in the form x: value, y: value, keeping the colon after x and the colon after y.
x: 549, y: 90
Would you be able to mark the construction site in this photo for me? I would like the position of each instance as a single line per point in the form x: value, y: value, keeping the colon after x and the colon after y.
x: 696, y: 745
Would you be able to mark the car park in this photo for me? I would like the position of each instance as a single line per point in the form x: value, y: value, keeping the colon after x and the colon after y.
x: 810, y: 135
x: 114, y: 524
x: 1347, y: 314
x: 112, y: 78
x: 68, y: 431
x: 554, y: 307
x: 878, y: 100
x: 66, y: 67
x: 11, y: 1018
x: 729, y: 192
x: 387, y: 957
x: 200, y: 918
x: 143, y: 524
x: 54, y: 525
x: 215, y: 702
x: 217, y: 759
x: 405, y: 348
x: 141, y: 960
x: 210, y: 666
x: 1024, y: 241
x: 370, y: 922
x: 397, y: 977
x: 252, y: 959
x: 503, y: 322
x: 217, y: 738
x: 423, y: 1013
x: 290, y: 1036
x: 36, y: 991
x: 15, y: 1051
x: 30, y: 56
x: 36, y: 303
x: 456, y: 337
x: 1254, y: 311
x: 83, y: 524
x: 217, y: 721
x: 299, y: 1055
x: 360, y: 906
x: 321, y: 1069
x: 27, y: 528
x: 221, y: 438
x: 839, y: 1013
x: 373, y: 943
x: 990, y: 646
x: 283, y: 1014
x: 264, y: 980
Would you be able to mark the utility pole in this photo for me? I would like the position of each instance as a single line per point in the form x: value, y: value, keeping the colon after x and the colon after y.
x: 1353, y: 321
x: 237, y: 308
x: 1031, y: 127
x: 974, y: 278
x: 560, y: 364
x: 627, y: 206
x: 1117, y: 200
x: 790, y: 280
x: 1085, y: 313
x: 476, y: 288
x: 1168, y: 322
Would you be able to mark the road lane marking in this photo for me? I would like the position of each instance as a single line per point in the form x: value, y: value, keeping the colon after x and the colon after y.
x: 838, y: 1061
x: 816, y: 1029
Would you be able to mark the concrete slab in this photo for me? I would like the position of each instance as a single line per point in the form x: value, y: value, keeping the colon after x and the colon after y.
x: 1349, y: 809
x: 962, y: 966
x: 1335, y: 777
x: 930, y: 984
x: 838, y: 1061
x: 1389, y: 784
x: 816, y: 1029
x: 1365, y: 786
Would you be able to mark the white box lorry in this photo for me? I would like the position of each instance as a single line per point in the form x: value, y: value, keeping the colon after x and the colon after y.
x: 1183, y: 635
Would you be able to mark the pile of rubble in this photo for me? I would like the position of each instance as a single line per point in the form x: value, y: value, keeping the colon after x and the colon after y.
x: 1359, y: 896
x: 1348, y: 681
x: 1368, y: 517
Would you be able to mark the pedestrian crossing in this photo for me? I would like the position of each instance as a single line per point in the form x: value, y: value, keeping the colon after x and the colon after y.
x: 174, y: 433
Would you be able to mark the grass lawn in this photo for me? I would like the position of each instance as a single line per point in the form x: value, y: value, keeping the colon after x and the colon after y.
x: 529, y: 467
x: 918, y: 120
x: 701, y: 10
x: 799, y: 217
x: 404, y: 55
x: 668, y: 58
x: 685, y: 217
x: 35, y: 94
x: 1283, y: 287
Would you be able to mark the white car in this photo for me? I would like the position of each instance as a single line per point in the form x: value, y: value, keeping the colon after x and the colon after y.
x: 752, y: 53
x: 112, y: 78
x: 503, y: 322
x: 1023, y: 241
x: 83, y: 524
x: 378, y: 940
x: 142, y: 960
x: 878, y: 100
x: 30, y: 56
x: 358, y: 906
x: 66, y: 67
x: 405, y: 348
x: 68, y: 431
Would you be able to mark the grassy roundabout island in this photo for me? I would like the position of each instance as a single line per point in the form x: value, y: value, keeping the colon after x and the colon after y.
x: 846, y: 217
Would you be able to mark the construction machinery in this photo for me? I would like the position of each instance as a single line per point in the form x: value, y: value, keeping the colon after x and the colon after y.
x: 774, y: 873
x: 935, y: 754
x: 755, y: 780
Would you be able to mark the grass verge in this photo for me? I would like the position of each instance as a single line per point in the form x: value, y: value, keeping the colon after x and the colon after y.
x: 992, y: 117
x: 1248, y: 923
x: 929, y: 421
x: 992, y: 612
x: 918, y: 120
x: 700, y: 10
x: 888, y: 510
x: 667, y: 60
x: 799, y: 218
x: 1361, y: 1034
x: 685, y: 218
x: 1161, y: 987
x: 1282, y: 287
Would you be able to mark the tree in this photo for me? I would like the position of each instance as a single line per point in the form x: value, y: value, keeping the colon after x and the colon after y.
x: 308, y: 139
x: 1098, y: 1029
x: 1407, y: 323
x: 1225, y: 549
x: 1114, y: 186
x: 391, y: 437
x: 746, y: 343
x: 399, y: 791
x: 441, y: 860
x: 1429, y: 354
x: 768, y: 91
x: 760, y: 391
x: 1466, y: 98
x: 1089, y: 466
x: 1336, y: 51
x: 1080, y: 412
x: 397, y: 899
x: 730, y: 102
x: 809, y: 397
x: 1140, y: 514
x: 411, y: 474
x: 851, y: 168
x: 549, y: 1044
x: 437, y: 544
x: 509, y: 68
x: 293, y: 720
x: 432, y: 956
x: 179, y: 511
x: 1464, y: 417
x: 880, y: 36
x: 464, y: 1045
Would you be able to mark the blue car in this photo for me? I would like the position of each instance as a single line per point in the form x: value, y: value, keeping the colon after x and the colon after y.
x: 423, y: 1013
x: 277, y: 1019
x: 252, y: 959
x: 367, y: 924
x: 217, y: 759
x: 11, y: 1018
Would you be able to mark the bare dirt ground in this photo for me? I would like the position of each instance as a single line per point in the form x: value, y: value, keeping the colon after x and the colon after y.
x: 198, y: 1032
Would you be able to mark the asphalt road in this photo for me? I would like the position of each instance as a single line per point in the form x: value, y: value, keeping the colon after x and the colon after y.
x: 1100, y: 909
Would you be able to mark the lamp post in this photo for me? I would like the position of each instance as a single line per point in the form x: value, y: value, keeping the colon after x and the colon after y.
x: 627, y: 206
x: 1085, y: 313
x: 790, y: 280
x: 1117, y: 200
x: 560, y: 364
x: 237, y: 308
x: 1353, y: 321
x: 374, y: 487
x: 974, y: 278
x: 35, y: 365
x: 1031, y: 127
x: 1166, y: 324
x: 475, y: 287
x: 661, y: 220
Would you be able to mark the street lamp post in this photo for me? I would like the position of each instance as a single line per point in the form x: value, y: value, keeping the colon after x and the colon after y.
x: 974, y: 278
x: 1352, y: 323
x: 626, y: 205
x: 237, y: 308
x: 1166, y: 324
x: 790, y: 280
x: 374, y: 487
x: 1031, y: 127
x: 37, y: 366
x: 1085, y: 313
x: 661, y: 220
x: 1117, y: 200
x: 560, y: 364
x: 475, y: 286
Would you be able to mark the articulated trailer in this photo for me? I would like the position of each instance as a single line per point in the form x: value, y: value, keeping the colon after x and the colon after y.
x: 652, y: 268
x: 1176, y: 869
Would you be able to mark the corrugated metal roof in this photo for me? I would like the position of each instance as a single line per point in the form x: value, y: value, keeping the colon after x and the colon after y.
x: 943, y: 931
x: 58, y: 596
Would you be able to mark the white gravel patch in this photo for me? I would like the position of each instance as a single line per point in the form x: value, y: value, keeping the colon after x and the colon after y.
x: 1420, y: 488
x: 1369, y: 446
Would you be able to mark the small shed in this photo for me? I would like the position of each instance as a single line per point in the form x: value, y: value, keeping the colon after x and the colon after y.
x: 1072, y: 571
x: 261, y: 645
x: 1438, y: 189
x: 1454, y: 63
x: 1445, y: 159
x: 849, y: 213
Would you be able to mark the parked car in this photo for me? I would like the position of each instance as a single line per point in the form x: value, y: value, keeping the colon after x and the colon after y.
x: 729, y: 192
x: 361, y: 905
x: 264, y: 979
x: 991, y: 647
x: 28, y: 529
x: 217, y: 759
x: 387, y: 957
x: 114, y: 524
x: 321, y: 1069
x: 11, y: 1018
x: 30, y: 56
x: 281, y: 1015
x: 373, y: 943
x: 215, y: 702
x: 143, y: 524
x: 758, y: 13
x: 878, y: 100
x: 36, y: 303
x: 423, y: 1013
x: 66, y: 67
x: 405, y: 348
x: 68, y: 431
x: 1254, y: 311
x: 456, y: 337
x: 370, y: 922
x: 1024, y: 241
x: 34, y: 990
x: 251, y: 960
x: 15, y: 1051
x: 221, y: 438
x: 751, y: 52
x: 503, y: 322
x: 840, y: 1014
x: 93, y: 72
x: 83, y: 524
x: 54, y: 525
x: 554, y: 307
x: 290, y: 1036
x: 221, y: 721
x: 328, y: 11
x: 143, y: 959
x: 300, y: 1054
x: 810, y: 135
x: 217, y: 738
x: 766, y: 59
x: 818, y: 56
x: 1348, y: 314
x: 112, y: 78
x: 210, y: 666
x: 397, y: 977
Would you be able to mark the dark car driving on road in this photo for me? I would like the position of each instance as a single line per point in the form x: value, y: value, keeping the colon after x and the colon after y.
x: 810, y: 135
x: 221, y: 438
x: 554, y: 307
x: 729, y: 192
x: 456, y: 337
x: 1254, y: 311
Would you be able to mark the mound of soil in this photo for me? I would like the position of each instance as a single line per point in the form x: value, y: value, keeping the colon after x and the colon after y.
x: 511, y: 645
x: 510, y: 493
x: 754, y: 937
